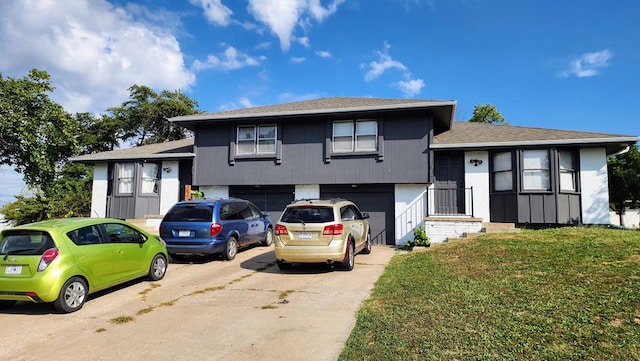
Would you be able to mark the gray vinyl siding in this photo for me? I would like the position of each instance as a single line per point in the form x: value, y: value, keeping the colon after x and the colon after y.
x: 303, y: 158
x: 549, y: 207
x: 133, y: 205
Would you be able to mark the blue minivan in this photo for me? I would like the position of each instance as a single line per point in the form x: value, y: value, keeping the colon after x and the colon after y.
x: 214, y: 226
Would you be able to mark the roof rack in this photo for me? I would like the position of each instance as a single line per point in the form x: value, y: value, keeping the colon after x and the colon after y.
x: 311, y: 200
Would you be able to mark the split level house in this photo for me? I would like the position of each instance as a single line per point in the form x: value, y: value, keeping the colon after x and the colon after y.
x: 403, y: 161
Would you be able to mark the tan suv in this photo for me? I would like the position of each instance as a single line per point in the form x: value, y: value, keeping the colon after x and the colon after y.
x: 321, y: 230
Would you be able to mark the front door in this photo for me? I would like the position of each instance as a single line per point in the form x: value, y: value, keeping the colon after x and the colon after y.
x: 449, y: 193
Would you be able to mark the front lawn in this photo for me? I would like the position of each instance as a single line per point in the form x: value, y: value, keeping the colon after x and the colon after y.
x: 558, y: 294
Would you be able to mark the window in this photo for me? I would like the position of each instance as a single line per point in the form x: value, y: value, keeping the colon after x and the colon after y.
x: 120, y: 233
x: 567, y: 171
x: 359, y: 136
x: 256, y: 140
x: 535, y: 170
x: 502, y: 175
x: 125, y: 178
x: 85, y: 235
x: 149, y: 181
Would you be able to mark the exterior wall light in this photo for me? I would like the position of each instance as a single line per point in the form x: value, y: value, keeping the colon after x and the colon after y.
x: 475, y: 162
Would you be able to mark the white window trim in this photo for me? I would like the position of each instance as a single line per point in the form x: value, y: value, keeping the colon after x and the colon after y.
x: 508, y: 171
x: 256, y: 140
x: 131, y: 178
x: 353, y: 136
x: 536, y: 172
x: 565, y: 171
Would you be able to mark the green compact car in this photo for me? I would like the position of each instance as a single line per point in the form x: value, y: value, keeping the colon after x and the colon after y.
x: 64, y: 260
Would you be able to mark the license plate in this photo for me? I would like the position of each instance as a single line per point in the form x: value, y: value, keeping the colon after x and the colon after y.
x: 305, y: 235
x: 13, y: 270
x: 184, y: 233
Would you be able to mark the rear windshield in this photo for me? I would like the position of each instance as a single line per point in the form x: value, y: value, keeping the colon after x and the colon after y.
x: 308, y: 215
x: 190, y: 213
x: 27, y: 243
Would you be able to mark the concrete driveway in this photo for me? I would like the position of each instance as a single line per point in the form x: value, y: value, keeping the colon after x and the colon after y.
x: 246, y: 309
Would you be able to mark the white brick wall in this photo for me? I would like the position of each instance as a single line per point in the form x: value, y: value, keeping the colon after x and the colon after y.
x: 438, y: 231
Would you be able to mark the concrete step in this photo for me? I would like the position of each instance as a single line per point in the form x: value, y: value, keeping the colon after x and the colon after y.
x: 148, y: 224
x: 491, y: 227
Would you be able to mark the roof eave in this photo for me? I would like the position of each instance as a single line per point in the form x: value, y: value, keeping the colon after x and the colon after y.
x: 618, y: 141
x: 189, y: 121
x: 163, y: 156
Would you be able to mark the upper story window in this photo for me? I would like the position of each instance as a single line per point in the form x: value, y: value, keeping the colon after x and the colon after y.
x: 535, y: 170
x: 567, y: 171
x: 502, y: 174
x: 358, y: 136
x: 256, y: 139
x: 126, y: 172
x: 149, y: 179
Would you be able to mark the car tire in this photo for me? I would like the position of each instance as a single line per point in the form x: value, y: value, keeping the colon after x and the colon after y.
x: 268, y: 239
x: 367, y: 247
x: 72, y: 296
x: 7, y: 304
x: 284, y: 265
x: 349, y: 258
x: 231, y: 249
x: 158, y: 268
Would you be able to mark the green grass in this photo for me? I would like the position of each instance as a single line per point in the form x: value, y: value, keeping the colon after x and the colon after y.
x: 558, y: 294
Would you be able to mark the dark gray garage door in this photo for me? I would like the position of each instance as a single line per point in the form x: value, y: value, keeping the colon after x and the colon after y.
x: 375, y: 199
x: 272, y: 199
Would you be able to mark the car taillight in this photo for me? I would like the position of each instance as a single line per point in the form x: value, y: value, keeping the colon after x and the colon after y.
x: 216, y: 228
x: 332, y: 230
x: 280, y: 229
x: 47, y: 257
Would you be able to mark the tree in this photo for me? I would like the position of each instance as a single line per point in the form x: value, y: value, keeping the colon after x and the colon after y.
x: 624, y: 181
x: 36, y: 134
x: 487, y: 113
x: 99, y: 134
x: 144, y: 116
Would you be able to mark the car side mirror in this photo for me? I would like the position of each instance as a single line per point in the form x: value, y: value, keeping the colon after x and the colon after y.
x: 266, y: 214
x: 365, y: 215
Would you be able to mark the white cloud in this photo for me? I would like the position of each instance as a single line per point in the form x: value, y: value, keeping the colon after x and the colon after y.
x: 93, y: 50
x: 214, y: 11
x: 323, y: 54
x: 320, y: 13
x: 11, y: 185
x: 384, y: 63
x: 304, y: 41
x: 231, y: 59
x: 589, y: 64
x: 410, y: 88
x: 264, y: 45
x: 282, y: 16
x: 242, y: 103
x: 298, y: 60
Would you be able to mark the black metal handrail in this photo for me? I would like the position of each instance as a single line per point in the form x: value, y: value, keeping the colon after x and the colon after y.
x: 450, y: 202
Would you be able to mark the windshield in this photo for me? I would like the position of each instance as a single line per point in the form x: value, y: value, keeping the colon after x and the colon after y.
x: 308, y: 215
x: 189, y: 213
x: 25, y: 242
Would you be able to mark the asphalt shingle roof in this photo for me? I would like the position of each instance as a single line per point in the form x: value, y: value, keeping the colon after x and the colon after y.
x: 177, y: 149
x: 479, y: 135
x: 319, y: 106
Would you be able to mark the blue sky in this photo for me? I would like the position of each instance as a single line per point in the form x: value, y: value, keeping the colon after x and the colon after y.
x: 563, y: 64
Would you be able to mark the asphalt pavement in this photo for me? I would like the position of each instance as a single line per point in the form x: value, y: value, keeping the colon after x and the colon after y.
x: 205, y: 309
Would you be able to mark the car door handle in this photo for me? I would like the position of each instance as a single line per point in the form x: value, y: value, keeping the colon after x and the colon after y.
x: 119, y: 251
